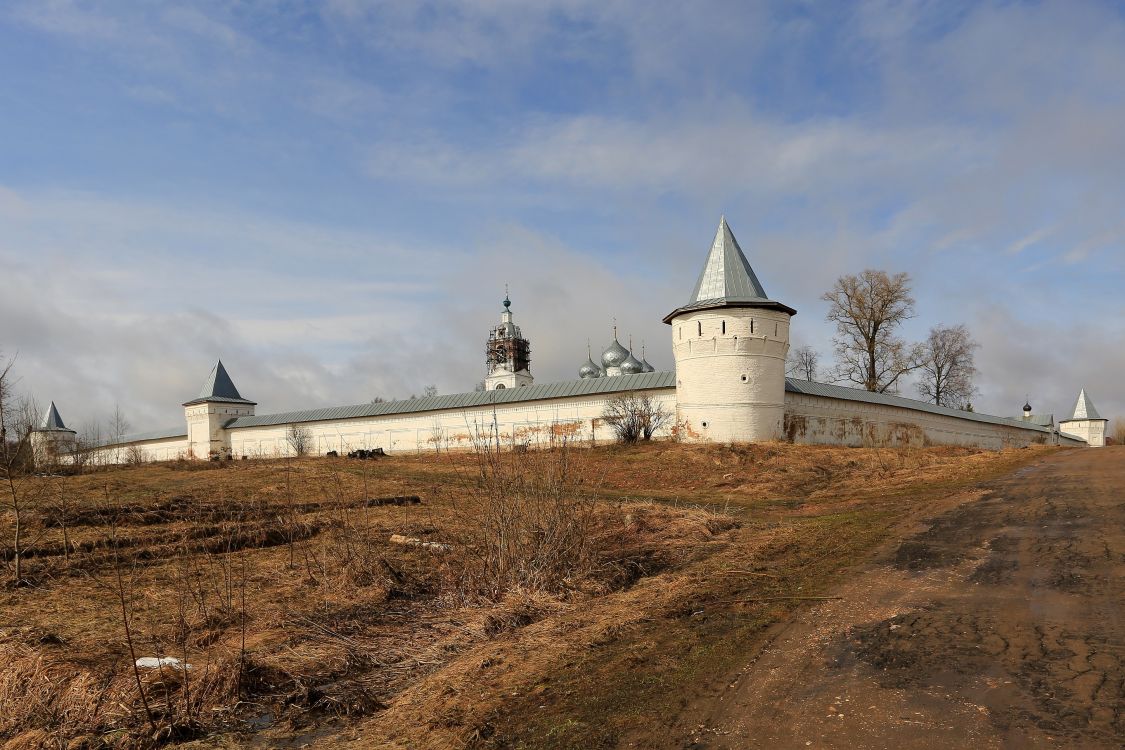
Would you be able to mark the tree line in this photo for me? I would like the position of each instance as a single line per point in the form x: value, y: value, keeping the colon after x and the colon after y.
x: 867, y: 311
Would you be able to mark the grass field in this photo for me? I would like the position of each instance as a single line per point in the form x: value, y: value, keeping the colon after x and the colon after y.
x: 569, y: 599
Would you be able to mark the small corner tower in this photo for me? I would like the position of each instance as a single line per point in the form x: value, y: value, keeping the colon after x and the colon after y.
x: 208, y: 413
x: 52, y: 440
x: 730, y: 342
x: 1086, y: 422
x: 507, y: 354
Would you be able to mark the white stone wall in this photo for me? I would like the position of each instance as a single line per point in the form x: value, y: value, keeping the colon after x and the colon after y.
x: 831, y: 421
x: 806, y: 419
x: 533, y: 422
x: 205, y: 421
x: 51, y: 446
x: 1090, y: 430
x: 730, y: 373
x: 164, y: 449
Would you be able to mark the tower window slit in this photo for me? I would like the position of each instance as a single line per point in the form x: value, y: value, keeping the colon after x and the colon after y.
x: 699, y: 326
x: 751, y: 325
x: 775, y: 329
x: 724, y: 327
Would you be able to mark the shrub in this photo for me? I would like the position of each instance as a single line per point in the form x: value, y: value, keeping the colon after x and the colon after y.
x: 634, y: 417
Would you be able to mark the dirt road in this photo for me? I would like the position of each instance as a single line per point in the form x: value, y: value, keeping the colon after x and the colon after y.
x: 999, y: 624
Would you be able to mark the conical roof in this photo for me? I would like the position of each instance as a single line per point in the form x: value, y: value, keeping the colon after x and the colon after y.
x: 727, y: 280
x: 218, y: 387
x: 1084, y: 409
x: 52, y: 421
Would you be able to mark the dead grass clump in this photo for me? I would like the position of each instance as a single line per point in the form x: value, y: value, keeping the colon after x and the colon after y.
x: 524, y: 521
x: 47, y: 698
x: 40, y: 693
x: 641, y: 539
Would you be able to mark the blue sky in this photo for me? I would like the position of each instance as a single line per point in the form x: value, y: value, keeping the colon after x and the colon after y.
x: 331, y: 195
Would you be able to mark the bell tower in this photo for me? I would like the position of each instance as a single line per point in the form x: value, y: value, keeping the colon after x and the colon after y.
x: 507, y: 354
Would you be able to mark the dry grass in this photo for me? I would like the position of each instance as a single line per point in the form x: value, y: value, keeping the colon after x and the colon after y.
x: 276, y: 581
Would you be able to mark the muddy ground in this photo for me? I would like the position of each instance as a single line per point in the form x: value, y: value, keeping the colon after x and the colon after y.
x: 996, y: 624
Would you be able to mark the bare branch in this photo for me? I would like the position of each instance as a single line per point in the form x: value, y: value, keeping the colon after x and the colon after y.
x: 867, y: 310
x: 802, y: 363
x: 947, y: 368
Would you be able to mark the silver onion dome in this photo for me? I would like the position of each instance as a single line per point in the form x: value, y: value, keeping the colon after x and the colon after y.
x: 589, y: 370
x: 631, y: 365
x: 614, y: 355
x: 647, y: 367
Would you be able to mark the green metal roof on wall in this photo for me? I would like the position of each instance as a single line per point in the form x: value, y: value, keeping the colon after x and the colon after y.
x: 141, y: 437
x: 594, y: 387
x: 536, y: 392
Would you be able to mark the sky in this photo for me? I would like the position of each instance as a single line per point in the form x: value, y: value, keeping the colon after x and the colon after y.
x: 331, y: 196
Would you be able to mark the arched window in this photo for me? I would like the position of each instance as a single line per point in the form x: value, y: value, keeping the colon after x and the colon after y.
x: 499, y: 386
x: 751, y: 325
x: 775, y: 329
x: 699, y: 326
x: 724, y: 327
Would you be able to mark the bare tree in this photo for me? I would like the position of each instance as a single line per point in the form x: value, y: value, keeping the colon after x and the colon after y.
x: 946, y: 367
x: 867, y: 310
x: 1119, y: 430
x: 427, y: 392
x: 299, y: 439
x: 17, y: 421
x: 118, y: 428
x: 634, y: 417
x: 85, y: 444
x: 802, y: 363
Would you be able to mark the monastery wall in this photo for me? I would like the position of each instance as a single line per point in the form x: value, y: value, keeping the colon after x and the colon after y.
x: 832, y: 421
x: 534, y: 422
x: 808, y: 419
x: 158, y: 449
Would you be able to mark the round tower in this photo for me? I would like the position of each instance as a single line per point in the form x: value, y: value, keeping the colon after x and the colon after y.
x: 52, y: 442
x: 730, y: 342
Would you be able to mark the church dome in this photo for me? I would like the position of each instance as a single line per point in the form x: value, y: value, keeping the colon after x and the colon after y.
x: 589, y: 370
x: 631, y: 365
x: 647, y: 367
x: 614, y: 355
